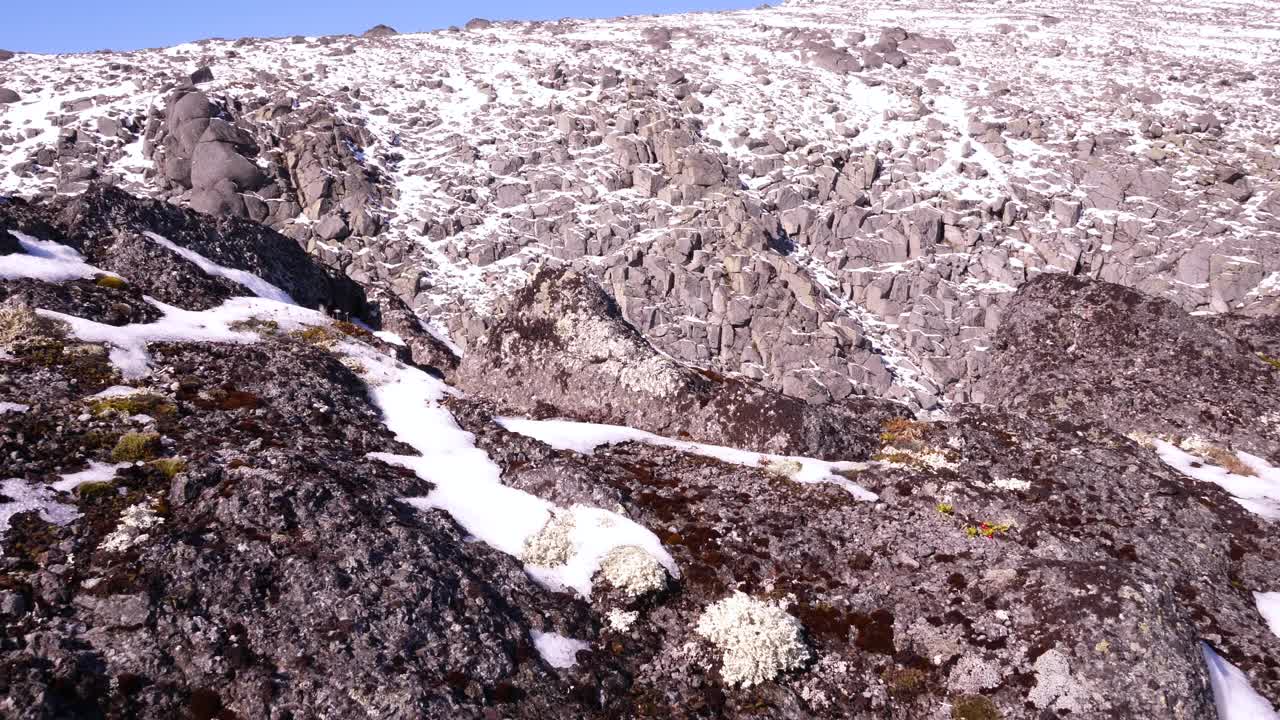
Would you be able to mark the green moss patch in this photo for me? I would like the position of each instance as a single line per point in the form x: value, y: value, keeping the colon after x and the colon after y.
x: 133, y: 404
x: 135, y: 446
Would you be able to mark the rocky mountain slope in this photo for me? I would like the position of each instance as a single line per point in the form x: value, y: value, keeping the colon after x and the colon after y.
x: 825, y: 360
x: 834, y: 199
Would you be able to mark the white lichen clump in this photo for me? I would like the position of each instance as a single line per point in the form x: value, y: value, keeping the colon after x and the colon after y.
x: 634, y: 571
x: 552, y: 546
x: 784, y: 469
x: 1010, y: 484
x: 622, y: 620
x: 758, y: 639
x: 135, y: 522
x: 923, y: 457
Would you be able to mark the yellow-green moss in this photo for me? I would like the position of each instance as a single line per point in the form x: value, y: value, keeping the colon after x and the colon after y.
x: 974, y: 707
x: 19, y: 324
x: 317, y: 335
x: 133, y: 404
x: 94, y: 491
x: 905, y: 683
x: 258, y: 325
x: 987, y: 530
x: 902, y: 431
x: 1273, y: 362
x: 352, y: 330
x: 169, y: 467
x: 110, y: 281
x: 135, y: 446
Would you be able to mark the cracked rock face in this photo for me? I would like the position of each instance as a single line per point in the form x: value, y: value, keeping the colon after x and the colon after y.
x: 823, y: 360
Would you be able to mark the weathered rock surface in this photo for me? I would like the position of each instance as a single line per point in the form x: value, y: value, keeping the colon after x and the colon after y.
x: 561, y: 347
x: 1023, y: 562
x: 1097, y: 352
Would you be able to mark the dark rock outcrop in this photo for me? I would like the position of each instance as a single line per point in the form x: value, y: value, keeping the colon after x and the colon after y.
x: 560, y: 347
x: 423, y: 348
x: 109, y: 227
x: 1101, y: 353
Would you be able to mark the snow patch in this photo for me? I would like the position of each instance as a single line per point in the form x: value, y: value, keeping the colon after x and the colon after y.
x: 96, y: 472
x: 1269, y: 608
x: 46, y: 261
x: 468, y: 483
x: 17, y: 496
x: 1259, y: 494
x: 129, y: 343
x: 389, y: 337
x: 12, y: 407
x: 586, y: 437
x: 559, y: 651
x: 1234, y: 697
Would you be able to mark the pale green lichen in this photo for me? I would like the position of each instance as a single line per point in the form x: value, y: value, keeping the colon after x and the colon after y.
x: 633, y: 571
x: 19, y: 324
x: 783, y: 468
x: 552, y: 546
x: 136, y: 522
x: 757, y: 639
x: 621, y: 620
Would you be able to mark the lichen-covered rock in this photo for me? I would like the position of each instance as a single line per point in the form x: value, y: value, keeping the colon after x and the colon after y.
x: 560, y: 347
x: 1097, y: 352
x: 736, y: 253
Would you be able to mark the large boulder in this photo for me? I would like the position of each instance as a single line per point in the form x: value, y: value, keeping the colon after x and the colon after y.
x: 560, y: 346
x: 1096, y: 352
x: 215, y: 162
x: 186, y: 119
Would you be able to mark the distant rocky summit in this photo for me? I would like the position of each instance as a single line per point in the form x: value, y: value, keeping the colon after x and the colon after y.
x: 819, y: 361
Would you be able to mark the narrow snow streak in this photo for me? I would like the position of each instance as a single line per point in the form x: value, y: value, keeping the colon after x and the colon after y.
x: 468, y: 483
x: 129, y: 342
x: 586, y: 437
x: 46, y: 261
x: 1234, y: 697
x: 253, y: 283
x: 7, y: 407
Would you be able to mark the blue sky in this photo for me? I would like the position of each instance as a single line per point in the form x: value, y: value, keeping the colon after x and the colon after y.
x: 51, y: 26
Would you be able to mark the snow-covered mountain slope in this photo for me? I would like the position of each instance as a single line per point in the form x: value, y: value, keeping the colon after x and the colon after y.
x: 833, y: 197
